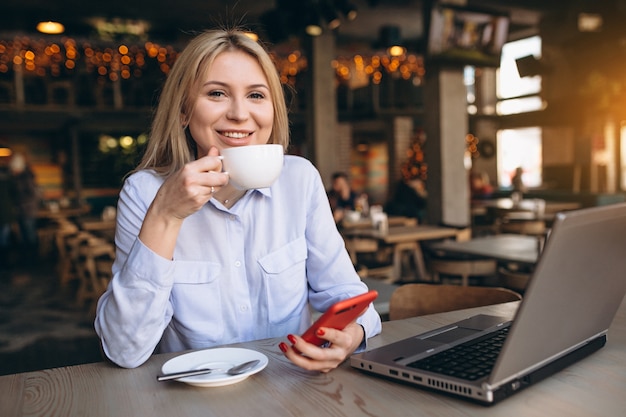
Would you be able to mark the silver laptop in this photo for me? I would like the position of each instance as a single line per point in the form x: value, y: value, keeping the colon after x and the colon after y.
x: 576, y: 288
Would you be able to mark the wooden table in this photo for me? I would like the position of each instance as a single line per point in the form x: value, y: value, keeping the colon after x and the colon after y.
x: 63, y: 212
x: 594, y: 386
x: 366, y: 222
x: 96, y: 224
x: 503, y: 210
x: 507, y: 204
x: 516, y: 248
x: 403, y: 239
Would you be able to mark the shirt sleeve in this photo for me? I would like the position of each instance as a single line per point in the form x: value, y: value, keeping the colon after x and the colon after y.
x: 135, y: 309
x: 331, y: 274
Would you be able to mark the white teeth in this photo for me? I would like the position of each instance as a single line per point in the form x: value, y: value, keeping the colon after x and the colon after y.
x: 235, y: 135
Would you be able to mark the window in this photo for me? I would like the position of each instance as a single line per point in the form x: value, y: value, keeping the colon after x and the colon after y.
x: 518, y: 94
x: 519, y: 148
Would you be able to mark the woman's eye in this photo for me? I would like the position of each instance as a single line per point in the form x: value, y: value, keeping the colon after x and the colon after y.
x: 216, y: 94
x: 257, y: 96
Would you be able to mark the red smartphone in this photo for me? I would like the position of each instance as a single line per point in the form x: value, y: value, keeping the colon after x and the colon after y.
x: 339, y: 315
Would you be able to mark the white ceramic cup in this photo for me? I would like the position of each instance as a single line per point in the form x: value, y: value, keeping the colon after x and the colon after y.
x: 253, y: 166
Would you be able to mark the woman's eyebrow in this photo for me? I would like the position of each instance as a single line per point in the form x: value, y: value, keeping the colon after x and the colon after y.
x: 223, y: 84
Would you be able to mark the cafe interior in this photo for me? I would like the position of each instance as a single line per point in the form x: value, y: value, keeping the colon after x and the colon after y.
x: 388, y: 92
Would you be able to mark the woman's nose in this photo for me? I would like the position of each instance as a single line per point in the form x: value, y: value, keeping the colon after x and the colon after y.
x: 237, y: 110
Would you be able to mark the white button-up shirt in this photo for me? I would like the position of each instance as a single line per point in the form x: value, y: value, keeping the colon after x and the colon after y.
x: 252, y: 272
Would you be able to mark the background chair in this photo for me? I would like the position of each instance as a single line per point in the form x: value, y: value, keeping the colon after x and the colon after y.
x: 441, y: 264
x: 413, y: 300
x: 463, y: 268
x: 513, y: 279
x: 370, y: 259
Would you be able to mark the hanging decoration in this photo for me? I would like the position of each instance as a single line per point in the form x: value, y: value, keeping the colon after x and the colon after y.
x: 415, y: 167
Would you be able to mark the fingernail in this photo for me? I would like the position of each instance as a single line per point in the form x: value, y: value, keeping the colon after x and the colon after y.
x: 291, y: 338
x: 320, y: 332
x: 282, y: 347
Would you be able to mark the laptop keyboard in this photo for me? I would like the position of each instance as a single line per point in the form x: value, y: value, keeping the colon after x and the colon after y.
x: 471, y: 360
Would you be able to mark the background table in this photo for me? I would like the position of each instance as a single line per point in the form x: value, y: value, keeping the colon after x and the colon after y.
x: 594, y: 386
x: 507, y: 204
x: 520, y: 249
x: 403, y: 239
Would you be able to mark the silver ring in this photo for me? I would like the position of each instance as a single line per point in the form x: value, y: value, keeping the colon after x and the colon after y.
x: 212, y: 189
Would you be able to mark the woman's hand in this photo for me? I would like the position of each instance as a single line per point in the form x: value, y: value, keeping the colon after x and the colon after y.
x: 181, y: 195
x: 191, y: 187
x: 324, y: 359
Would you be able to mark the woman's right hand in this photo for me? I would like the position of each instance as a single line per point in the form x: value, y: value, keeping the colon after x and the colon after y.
x: 191, y: 187
x: 181, y: 195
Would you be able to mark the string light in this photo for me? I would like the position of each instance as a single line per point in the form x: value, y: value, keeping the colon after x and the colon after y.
x: 63, y: 56
x: 372, y: 67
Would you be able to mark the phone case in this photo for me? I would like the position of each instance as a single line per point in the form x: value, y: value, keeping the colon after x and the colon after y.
x: 339, y: 315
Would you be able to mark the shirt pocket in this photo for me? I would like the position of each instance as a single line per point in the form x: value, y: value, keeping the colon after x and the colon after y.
x: 196, y: 302
x: 286, y: 285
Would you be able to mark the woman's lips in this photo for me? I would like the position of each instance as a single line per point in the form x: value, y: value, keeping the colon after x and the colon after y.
x: 236, y: 138
x: 236, y: 135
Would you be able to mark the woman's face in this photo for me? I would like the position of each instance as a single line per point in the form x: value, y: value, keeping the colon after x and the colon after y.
x: 233, y: 106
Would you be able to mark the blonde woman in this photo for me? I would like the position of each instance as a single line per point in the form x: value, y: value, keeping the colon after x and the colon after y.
x: 200, y: 263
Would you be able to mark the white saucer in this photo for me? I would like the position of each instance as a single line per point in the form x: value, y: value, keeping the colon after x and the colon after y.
x: 221, y: 358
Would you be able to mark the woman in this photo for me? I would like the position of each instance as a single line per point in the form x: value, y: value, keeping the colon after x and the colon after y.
x: 200, y: 263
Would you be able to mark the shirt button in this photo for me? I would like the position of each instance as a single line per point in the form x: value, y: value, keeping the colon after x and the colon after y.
x: 232, y: 217
x: 244, y: 308
x: 237, y: 263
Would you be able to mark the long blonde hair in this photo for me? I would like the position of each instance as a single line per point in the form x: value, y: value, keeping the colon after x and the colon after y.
x: 170, y: 145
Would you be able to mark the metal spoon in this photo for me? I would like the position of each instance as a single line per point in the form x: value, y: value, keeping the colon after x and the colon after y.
x: 235, y: 370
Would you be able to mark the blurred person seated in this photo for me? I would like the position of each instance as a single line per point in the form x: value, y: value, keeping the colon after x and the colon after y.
x: 409, y: 199
x: 343, y: 199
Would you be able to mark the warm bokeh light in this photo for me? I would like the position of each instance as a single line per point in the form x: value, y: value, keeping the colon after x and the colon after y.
x: 113, y: 61
x: 396, y: 50
x: 50, y: 28
x: 368, y: 67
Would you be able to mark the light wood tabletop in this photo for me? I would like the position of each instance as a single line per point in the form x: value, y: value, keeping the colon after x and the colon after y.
x: 594, y: 386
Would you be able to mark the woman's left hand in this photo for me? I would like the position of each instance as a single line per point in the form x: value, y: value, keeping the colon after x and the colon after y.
x: 342, y: 343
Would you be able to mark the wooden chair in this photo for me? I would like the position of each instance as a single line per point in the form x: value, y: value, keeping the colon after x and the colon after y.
x: 95, y: 272
x: 463, y: 268
x: 377, y: 267
x: 515, y: 280
x: 413, y: 300
x: 65, y: 232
